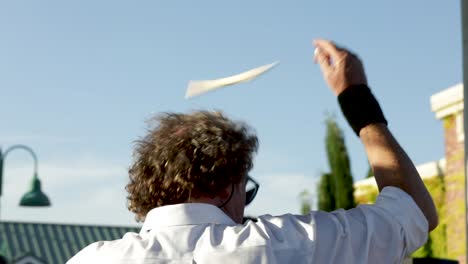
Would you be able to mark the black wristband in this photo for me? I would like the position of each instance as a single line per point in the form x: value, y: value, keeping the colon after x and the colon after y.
x: 360, y: 107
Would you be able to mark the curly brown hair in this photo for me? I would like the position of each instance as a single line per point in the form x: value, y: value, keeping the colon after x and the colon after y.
x: 188, y: 155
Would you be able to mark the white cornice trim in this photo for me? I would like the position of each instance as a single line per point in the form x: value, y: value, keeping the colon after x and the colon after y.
x: 449, y: 110
x: 426, y: 170
x: 448, y: 101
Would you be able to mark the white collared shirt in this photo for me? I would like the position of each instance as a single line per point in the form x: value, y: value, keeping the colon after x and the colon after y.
x: 385, y: 232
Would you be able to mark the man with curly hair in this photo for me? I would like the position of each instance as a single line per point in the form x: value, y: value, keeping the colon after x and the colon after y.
x: 188, y: 185
x: 202, y: 157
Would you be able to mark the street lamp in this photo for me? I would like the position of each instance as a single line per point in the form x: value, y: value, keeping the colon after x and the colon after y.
x: 35, y: 196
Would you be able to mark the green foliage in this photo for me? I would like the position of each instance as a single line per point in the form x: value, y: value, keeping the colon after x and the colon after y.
x: 453, y: 216
x: 436, y: 245
x: 366, y: 194
x: 306, y: 203
x: 336, y: 188
x: 340, y: 166
x: 326, y: 196
x: 370, y: 173
x: 305, y: 208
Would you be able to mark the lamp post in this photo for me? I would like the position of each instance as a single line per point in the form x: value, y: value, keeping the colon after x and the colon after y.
x: 35, y: 196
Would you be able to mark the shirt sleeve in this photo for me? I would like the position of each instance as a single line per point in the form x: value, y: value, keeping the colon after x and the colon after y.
x: 391, y: 229
x: 86, y: 255
x: 385, y: 232
x: 407, y: 213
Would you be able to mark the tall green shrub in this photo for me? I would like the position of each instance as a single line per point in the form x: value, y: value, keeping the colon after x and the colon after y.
x: 325, y: 194
x: 336, y: 187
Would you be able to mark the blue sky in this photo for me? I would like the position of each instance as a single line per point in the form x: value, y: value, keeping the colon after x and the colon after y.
x: 78, y: 79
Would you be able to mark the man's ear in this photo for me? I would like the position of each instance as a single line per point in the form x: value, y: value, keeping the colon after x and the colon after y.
x: 226, y: 192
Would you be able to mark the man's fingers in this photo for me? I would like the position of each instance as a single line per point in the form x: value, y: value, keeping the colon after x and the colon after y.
x: 324, y: 61
x: 328, y: 47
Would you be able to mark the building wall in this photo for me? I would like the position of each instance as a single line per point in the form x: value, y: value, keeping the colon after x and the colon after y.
x: 455, y: 190
x: 448, y: 108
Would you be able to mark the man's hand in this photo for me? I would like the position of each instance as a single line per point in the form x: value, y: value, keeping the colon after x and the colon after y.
x: 340, y: 67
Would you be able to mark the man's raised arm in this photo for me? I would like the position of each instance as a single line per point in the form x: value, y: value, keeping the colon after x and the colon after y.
x: 345, y: 75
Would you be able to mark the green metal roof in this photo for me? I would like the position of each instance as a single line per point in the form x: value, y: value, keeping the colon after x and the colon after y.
x: 54, y: 243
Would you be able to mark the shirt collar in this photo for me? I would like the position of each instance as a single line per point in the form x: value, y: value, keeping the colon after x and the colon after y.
x: 185, y: 214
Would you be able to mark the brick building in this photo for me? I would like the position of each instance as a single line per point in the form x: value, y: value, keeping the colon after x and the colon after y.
x: 448, y: 107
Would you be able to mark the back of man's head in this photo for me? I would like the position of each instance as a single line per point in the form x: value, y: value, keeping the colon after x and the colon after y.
x: 187, y: 156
